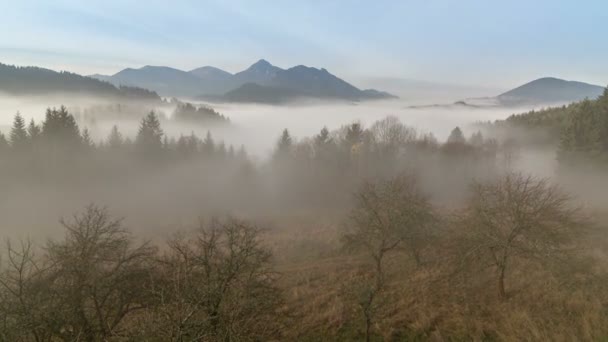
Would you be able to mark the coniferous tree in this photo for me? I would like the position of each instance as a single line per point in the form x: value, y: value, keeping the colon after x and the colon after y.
x: 322, y: 142
x: 115, y: 140
x: 284, y: 145
x: 354, y: 134
x: 33, y: 131
x: 322, y: 138
x: 208, y: 145
x: 476, y: 139
x: 456, y: 137
x: 19, y: 138
x: 150, y: 134
x: 87, y: 142
x: 60, y: 127
x: 582, y: 131
x: 602, y: 112
x: 221, y: 150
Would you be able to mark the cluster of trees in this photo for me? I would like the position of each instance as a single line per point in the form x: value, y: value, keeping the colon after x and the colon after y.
x: 219, y: 282
x: 314, y: 167
x: 313, y: 173
x: 580, y: 129
x: 187, y: 112
x: 586, y: 131
x: 59, y: 133
x: 507, y: 226
x: 182, y: 113
x: 99, y: 284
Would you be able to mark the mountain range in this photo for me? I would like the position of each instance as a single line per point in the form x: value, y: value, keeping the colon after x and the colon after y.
x: 261, y: 82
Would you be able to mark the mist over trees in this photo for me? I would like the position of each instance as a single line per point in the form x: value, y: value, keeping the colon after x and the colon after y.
x: 377, y: 232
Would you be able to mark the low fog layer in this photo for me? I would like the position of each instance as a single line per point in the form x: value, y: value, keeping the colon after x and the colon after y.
x: 157, y: 199
x: 258, y: 126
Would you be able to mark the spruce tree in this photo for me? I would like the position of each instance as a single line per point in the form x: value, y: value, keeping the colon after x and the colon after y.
x: 33, y: 131
x: 456, y: 137
x: 19, y: 138
x: 60, y: 126
x: 149, y: 137
x: 208, y: 146
x: 87, y: 142
x: 354, y: 134
x: 115, y: 140
x: 284, y: 145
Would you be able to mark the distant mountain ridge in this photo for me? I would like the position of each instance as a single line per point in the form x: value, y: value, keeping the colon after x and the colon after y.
x: 211, y: 82
x: 39, y: 81
x: 549, y: 90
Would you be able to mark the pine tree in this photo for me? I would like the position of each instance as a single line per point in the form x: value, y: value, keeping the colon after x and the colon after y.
x: 208, y: 146
x: 221, y: 150
x: 456, y: 137
x: 354, y: 134
x: 602, y: 113
x: 33, y: 131
x: 87, y: 142
x: 149, y: 137
x: 476, y: 139
x: 115, y: 140
x: 60, y: 126
x: 284, y: 145
x: 323, y: 138
x: 582, y: 133
x: 19, y: 138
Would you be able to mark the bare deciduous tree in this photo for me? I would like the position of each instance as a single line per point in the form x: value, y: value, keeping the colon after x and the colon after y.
x: 519, y: 217
x: 388, y: 216
x: 24, y: 297
x: 98, y: 276
x: 217, y: 285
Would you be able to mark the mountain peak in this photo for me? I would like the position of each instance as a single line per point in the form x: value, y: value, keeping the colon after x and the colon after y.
x: 262, y: 64
x: 209, y: 72
x: 262, y: 61
x: 549, y: 90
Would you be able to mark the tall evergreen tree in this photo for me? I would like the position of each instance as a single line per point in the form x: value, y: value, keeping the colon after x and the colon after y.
x: 60, y: 126
x: 354, y: 134
x: 87, y: 141
x: 115, y: 140
x: 150, y: 134
x: 284, y: 145
x: 582, y: 132
x: 33, y: 131
x: 19, y: 138
x: 208, y: 146
x: 456, y: 137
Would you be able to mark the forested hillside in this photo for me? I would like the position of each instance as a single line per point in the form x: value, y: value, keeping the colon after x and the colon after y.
x: 38, y: 81
x: 579, y: 129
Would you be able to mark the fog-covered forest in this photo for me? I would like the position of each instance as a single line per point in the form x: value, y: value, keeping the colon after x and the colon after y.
x: 364, y: 232
x: 309, y: 171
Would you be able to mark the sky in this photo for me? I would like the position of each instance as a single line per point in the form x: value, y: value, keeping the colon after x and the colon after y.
x: 468, y: 42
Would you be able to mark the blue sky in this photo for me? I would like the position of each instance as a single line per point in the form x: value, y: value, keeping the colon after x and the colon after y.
x: 473, y: 42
